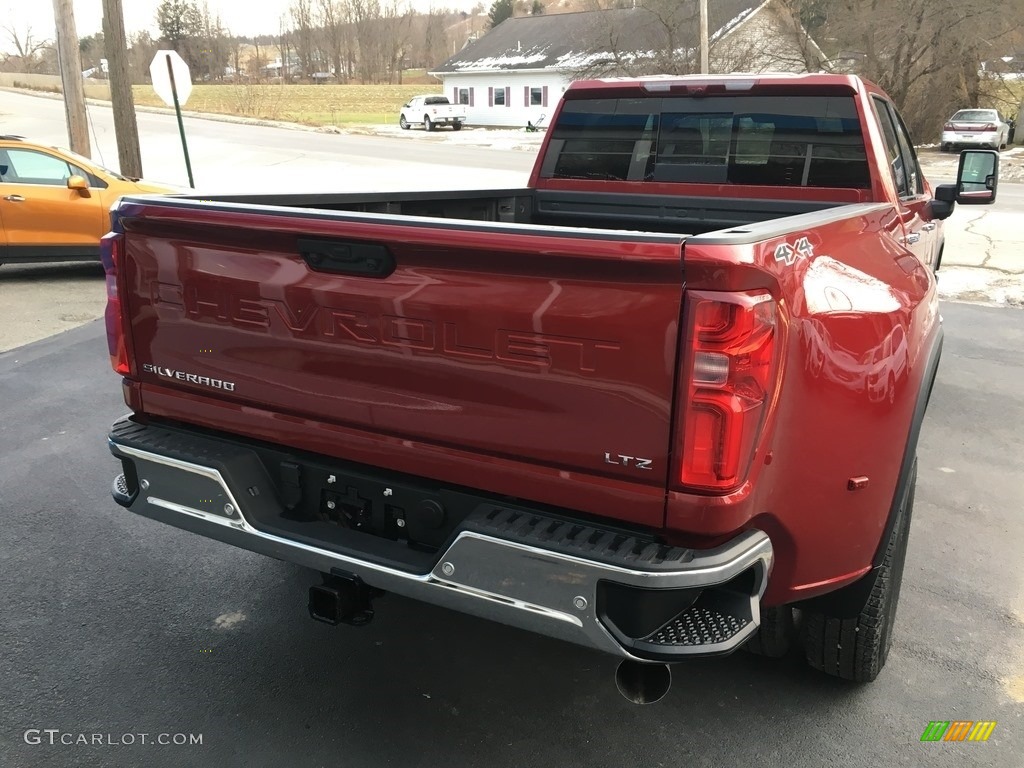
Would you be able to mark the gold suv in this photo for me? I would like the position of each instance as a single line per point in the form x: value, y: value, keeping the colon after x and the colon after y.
x: 54, y: 204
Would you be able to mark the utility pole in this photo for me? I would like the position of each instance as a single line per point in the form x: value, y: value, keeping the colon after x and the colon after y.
x: 121, y: 99
x: 71, y: 77
x: 704, y: 42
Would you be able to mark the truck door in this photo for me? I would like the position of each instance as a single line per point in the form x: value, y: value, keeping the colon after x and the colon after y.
x: 919, y: 230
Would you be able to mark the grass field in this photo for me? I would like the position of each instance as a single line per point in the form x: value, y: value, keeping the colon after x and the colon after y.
x: 306, y: 104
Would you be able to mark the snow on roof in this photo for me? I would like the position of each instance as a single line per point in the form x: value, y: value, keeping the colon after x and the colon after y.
x: 576, y: 40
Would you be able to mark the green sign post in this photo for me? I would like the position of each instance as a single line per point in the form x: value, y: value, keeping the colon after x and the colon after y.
x: 172, y: 82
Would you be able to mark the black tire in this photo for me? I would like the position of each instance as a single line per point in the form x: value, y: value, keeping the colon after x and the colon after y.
x: 428, y: 124
x: 773, y: 637
x: 403, y: 123
x: 943, y: 147
x: 457, y: 125
x: 856, y: 649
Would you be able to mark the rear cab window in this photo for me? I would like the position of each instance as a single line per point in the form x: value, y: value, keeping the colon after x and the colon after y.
x: 805, y: 141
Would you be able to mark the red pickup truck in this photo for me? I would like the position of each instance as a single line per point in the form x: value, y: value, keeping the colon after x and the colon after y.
x: 651, y: 403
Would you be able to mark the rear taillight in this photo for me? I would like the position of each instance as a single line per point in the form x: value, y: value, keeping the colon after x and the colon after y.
x: 991, y: 127
x: 729, y: 369
x: 112, y: 252
x: 948, y: 127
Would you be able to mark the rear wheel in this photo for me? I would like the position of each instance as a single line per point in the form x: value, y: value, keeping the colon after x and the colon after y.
x: 457, y: 125
x: 943, y: 147
x: 428, y: 123
x: 774, y: 634
x: 856, y: 648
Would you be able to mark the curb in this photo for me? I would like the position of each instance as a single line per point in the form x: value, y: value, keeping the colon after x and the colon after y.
x: 362, y: 129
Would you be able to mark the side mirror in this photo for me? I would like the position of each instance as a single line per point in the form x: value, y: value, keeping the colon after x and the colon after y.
x: 79, y: 184
x: 978, y: 177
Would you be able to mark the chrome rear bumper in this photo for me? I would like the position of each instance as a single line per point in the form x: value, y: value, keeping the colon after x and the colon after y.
x: 568, y: 594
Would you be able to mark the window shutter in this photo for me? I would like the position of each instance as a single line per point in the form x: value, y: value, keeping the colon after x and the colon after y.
x: 544, y: 97
x: 526, y: 95
x: 508, y: 96
x: 471, y: 96
x: 490, y: 96
x: 455, y: 95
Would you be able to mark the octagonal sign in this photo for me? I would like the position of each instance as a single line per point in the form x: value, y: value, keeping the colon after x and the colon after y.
x: 162, y: 78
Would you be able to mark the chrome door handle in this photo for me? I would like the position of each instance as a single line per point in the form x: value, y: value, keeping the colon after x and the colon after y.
x: 912, y: 238
x: 15, y: 198
x: 929, y: 227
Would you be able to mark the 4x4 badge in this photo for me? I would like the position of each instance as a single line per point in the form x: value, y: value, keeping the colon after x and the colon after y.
x: 787, y: 253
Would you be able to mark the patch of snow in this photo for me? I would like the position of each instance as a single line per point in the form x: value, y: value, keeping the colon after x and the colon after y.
x: 513, y: 139
x: 510, y: 60
x: 977, y: 284
x: 581, y: 59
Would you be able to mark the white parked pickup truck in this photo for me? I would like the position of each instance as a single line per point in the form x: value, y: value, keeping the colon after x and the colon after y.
x: 430, y: 111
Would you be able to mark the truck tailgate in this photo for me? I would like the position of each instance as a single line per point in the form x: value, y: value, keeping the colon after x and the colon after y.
x: 546, y: 346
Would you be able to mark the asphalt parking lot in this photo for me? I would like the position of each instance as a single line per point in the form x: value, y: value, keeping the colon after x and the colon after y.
x: 116, y: 625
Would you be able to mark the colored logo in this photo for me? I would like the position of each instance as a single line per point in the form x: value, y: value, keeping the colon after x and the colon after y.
x: 958, y: 730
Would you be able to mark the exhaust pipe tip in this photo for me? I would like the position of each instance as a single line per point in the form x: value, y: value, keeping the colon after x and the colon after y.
x: 643, y: 683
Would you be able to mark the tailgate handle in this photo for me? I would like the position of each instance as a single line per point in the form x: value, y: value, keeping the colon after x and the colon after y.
x: 346, y: 257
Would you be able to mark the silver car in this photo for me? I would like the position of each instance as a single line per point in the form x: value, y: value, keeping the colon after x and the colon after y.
x: 975, y: 128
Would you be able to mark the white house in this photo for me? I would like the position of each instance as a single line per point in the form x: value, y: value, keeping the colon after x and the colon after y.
x: 516, y: 73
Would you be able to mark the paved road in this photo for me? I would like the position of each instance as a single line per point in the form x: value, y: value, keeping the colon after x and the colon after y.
x: 229, y: 156
x: 112, y: 624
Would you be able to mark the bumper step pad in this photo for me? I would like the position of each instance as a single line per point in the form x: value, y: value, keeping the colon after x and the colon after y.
x: 699, y: 626
x: 623, y: 549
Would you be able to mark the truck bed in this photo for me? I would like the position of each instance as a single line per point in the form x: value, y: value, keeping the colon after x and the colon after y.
x: 661, y: 213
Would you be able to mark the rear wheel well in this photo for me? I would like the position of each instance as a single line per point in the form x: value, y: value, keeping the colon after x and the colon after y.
x: 850, y: 600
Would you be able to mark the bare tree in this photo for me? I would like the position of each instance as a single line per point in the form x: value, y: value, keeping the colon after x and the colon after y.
x: 212, y: 48
x: 435, y: 38
x: 366, y: 17
x: 396, y: 24
x: 301, y: 13
x: 927, y: 55
x: 141, y: 50
x: 28, y: 50
x: 284, y: 48
x: 331, y: 16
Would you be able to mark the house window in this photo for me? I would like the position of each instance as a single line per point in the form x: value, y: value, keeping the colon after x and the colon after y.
x: 536, y: 97
x: 499, y: 97
x: 463, y: 95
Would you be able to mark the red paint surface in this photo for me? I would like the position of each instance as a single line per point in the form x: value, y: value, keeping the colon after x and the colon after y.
x: 514, y: 362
